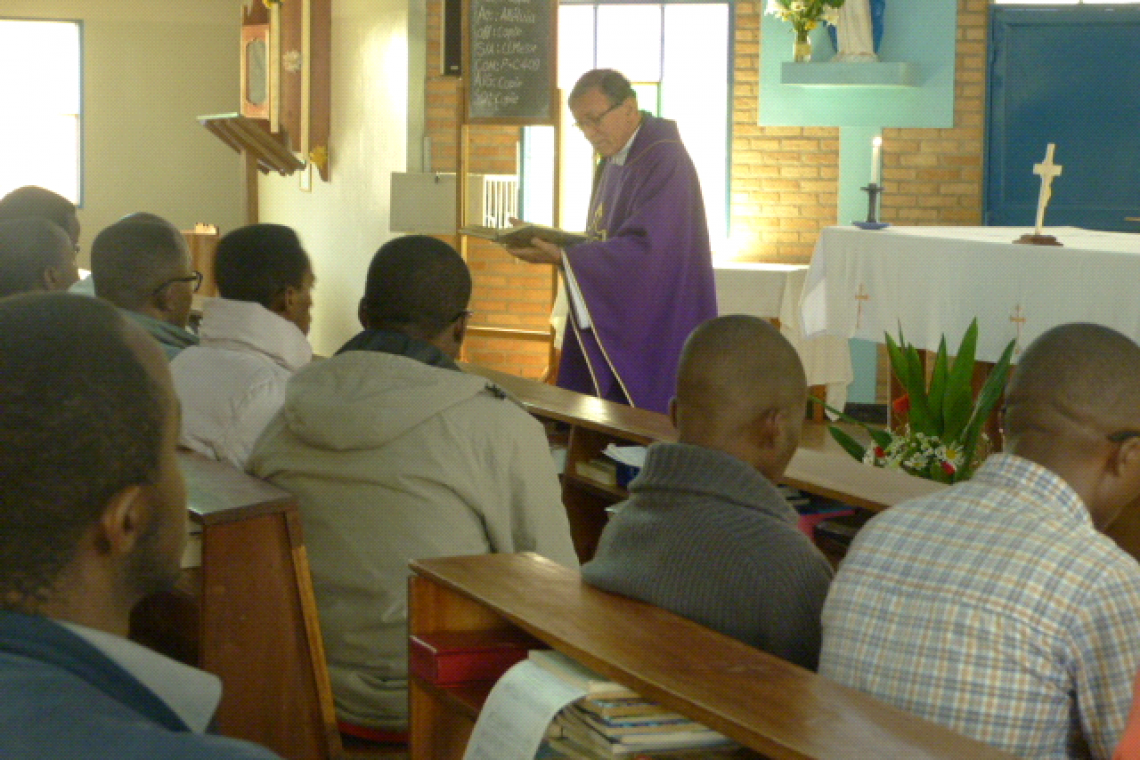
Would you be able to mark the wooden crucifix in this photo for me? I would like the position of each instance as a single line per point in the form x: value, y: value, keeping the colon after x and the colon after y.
x: 1047, y: 171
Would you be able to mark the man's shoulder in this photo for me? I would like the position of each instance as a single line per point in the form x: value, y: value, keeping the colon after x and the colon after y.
x: 47, y: 711
x: 496, y: 410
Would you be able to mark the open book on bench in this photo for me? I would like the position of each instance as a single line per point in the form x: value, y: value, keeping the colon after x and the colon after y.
x: 520, y: 237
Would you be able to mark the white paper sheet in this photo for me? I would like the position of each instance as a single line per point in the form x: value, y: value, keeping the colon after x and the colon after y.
x: 577, y: 302
x: 634, y: 456
x: 517, y: 713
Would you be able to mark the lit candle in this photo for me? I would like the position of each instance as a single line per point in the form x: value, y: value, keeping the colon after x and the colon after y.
x: 876, y: 160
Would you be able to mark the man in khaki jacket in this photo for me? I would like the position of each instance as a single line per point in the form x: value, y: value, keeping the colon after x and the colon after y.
x: 396, y: 454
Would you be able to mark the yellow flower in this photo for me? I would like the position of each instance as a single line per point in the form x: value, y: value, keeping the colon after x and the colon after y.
x: 319, y: 156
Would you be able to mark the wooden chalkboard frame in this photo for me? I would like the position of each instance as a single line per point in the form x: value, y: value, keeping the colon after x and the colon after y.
x: 541, y: 89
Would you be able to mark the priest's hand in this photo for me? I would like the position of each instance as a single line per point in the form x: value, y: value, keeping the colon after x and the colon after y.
x: 538, y: 252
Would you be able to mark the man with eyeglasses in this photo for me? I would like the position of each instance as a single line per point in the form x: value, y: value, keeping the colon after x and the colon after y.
x: 646, y: 281
x: 142, y: 265
x: 394, y: 452
x: 996, y: 607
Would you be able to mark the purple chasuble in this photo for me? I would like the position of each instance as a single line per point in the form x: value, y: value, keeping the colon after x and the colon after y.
x: 648, y: 281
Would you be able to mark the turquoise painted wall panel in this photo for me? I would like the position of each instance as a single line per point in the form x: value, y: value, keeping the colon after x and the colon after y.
x: 919, y: 31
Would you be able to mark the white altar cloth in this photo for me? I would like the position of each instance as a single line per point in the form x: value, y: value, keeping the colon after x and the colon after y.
x: 934, y: 280
x: 773, y: 291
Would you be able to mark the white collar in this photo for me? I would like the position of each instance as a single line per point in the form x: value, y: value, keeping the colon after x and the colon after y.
x: 620, y: 157
x: 249, y: 326
x: 192, y: 694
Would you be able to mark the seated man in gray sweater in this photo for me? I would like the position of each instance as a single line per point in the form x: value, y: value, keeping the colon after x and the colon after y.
x: 705, y: 533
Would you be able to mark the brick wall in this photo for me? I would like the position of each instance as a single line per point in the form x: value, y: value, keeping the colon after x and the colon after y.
x: 508, y: 294
x: 784, y: 179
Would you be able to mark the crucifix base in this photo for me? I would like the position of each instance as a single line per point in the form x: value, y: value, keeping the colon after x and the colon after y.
x: 1030, y: 238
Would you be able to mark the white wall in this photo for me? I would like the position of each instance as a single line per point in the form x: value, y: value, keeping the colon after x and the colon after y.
x: 341, y: 223
x: 148, y: 70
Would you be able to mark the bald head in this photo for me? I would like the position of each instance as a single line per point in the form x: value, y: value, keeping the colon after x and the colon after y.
x: 1074, y: 390
x: 144, y: 265
x: 741, y: 389
x: 35, y: 254
x: 1074, y: 379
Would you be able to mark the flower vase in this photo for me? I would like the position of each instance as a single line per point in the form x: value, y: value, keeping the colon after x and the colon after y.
x: 802, y: 48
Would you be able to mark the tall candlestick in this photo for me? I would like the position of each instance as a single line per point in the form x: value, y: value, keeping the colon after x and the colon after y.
x: 876, y: 160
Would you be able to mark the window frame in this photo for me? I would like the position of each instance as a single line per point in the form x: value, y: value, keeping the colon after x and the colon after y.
x: 721, y: 227
x: 80, y: 118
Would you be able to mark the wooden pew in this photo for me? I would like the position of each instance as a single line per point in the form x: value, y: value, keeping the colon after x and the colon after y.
x: 247, y: 614
x: 819, y: 467
x: 779, y: 710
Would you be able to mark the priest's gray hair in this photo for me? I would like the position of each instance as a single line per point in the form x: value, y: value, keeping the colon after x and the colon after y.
x: 611, y: 83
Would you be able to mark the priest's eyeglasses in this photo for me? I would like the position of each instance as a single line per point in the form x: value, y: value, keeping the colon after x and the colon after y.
x: 1120, y: 436
x: 194, y: 277
x: 593, y: 122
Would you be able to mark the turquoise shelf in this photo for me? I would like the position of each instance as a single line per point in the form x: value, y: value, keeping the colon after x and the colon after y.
x: 831, y: 74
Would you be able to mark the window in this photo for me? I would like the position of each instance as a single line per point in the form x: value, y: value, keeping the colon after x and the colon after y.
x: 652, y: 44
x: 40, y: 90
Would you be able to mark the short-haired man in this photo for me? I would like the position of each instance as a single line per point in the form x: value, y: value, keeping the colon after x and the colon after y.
x: 143, y: 267
x: 395, y: 453
x: 92, y: 519
x: 252, y: 341
x: 40, y: 203
x: 996, y: 607
x: 35, y: 254
x: 646, y: 279
x: 705, y: 533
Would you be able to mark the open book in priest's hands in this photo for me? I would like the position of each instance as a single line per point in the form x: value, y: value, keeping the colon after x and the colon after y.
x: 520, y: 236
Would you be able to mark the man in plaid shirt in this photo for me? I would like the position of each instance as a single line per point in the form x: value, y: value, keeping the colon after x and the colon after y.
x: 996, y: 607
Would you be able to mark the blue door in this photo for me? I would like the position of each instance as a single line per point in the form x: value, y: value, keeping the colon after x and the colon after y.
x: 1068, y: 75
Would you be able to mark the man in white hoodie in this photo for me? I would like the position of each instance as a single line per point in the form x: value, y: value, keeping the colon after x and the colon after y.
x: 252, y: 341
x: 394, y: 454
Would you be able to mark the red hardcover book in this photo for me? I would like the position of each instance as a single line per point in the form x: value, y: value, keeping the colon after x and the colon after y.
x: 451, y: 658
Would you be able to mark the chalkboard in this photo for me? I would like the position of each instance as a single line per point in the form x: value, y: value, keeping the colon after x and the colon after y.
x: 512, y: 48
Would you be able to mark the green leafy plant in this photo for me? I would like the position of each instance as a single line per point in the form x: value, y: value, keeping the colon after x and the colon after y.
x: 943, y: 432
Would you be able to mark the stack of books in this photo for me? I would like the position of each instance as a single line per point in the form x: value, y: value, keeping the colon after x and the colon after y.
x: 613, y: 721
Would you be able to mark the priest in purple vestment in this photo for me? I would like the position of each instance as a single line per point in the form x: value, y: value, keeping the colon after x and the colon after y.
x: 647, y: 280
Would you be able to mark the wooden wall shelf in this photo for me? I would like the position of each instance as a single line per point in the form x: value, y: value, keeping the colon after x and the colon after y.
x: 252, y: 137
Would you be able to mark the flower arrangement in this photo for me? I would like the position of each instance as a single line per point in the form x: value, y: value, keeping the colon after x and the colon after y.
x: 804, y: 15
x: 942, y: 437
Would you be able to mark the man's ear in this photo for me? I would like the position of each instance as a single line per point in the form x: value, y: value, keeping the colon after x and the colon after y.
x: 459, y: 329
x: 1125, y: 462
x: 769, y: 427
x: 50, y: 278
x: 121, y: 523
x: 163, y: 301
x: 361, y: 314
x: 282, y: 304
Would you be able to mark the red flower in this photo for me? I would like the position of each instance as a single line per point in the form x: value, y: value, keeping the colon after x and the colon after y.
x: 901, y: 405
x: 948, y: 468
x: 879, y: 453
